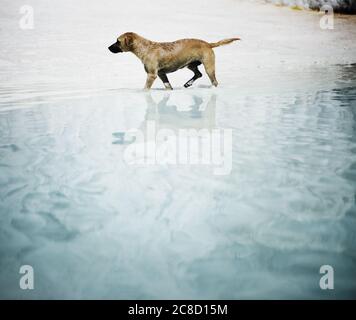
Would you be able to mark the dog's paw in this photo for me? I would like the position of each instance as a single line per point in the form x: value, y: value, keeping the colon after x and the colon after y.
x: 188, y: 84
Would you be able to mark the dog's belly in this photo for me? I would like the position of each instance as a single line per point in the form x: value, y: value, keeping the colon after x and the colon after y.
x: 174, y: 67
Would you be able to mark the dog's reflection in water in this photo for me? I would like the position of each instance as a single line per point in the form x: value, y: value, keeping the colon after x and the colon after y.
x: 166, y: 115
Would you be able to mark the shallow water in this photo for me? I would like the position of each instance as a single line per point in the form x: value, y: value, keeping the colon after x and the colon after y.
x: 93, y: 226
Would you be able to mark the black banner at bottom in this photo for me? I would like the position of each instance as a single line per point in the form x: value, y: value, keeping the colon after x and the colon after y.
x: 174, y: 309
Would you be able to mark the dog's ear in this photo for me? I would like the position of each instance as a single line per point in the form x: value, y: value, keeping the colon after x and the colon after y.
x: 128, y: 41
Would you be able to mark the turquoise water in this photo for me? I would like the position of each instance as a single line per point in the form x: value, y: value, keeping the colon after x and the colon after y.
x: 93, y: 226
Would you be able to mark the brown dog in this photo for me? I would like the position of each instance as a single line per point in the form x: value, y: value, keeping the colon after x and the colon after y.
x: 160, y: 58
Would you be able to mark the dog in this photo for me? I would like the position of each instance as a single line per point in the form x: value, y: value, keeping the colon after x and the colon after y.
x: 160, y: 58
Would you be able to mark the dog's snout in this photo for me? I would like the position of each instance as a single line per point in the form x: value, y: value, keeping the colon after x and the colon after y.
x: 115, y: 48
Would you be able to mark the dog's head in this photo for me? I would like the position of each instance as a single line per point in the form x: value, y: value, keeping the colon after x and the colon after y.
x: 123, y: 43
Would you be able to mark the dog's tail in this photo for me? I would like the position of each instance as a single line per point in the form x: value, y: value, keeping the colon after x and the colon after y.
x: 222, y: 42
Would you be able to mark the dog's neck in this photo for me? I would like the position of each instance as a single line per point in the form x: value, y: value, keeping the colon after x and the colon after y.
x: 140, y: 47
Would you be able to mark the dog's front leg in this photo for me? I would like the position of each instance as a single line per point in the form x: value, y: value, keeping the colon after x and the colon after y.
x: 151, y: 77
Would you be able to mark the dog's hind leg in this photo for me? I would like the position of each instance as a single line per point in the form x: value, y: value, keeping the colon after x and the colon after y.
x: 165, y: 80
x: 197, y: 74
x: 209, y: 65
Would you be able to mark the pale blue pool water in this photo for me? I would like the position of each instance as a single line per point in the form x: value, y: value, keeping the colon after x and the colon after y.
x: 93, y: 226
